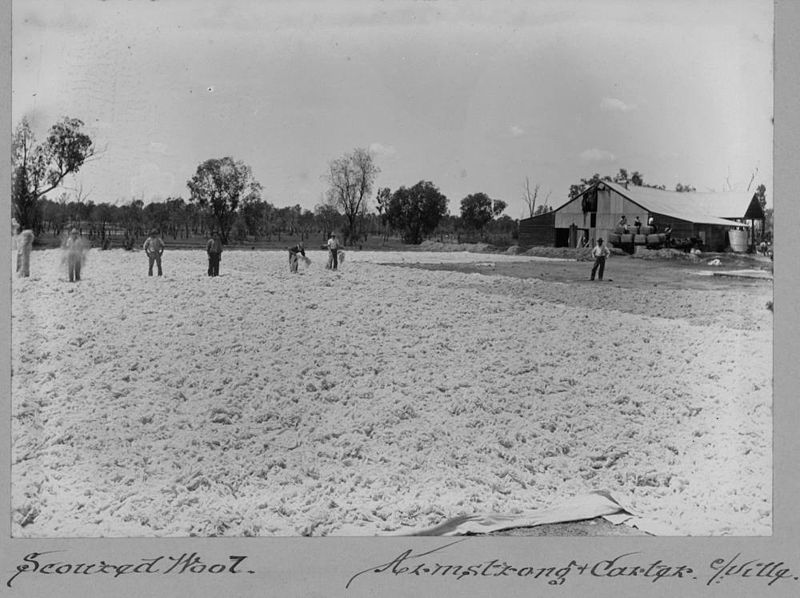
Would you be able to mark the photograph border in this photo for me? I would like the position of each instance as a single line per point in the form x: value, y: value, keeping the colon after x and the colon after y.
x: 325, y: 566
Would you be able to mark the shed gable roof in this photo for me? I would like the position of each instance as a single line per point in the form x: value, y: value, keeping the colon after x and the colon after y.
x: 700, y: 207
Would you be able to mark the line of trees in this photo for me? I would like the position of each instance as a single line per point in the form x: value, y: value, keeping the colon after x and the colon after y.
x: 181, y: 219
x: 414, y: 213
x: 225, y: 197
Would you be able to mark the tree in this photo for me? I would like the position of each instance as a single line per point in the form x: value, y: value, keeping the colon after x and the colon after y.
x: 448, y: 225
x: 350, y: 179
x: 176, y: 215
x: 268, y: 218
x: 382, y: 200
x: 133, y: 217
x: 478, y: 210
x: 576, y: 190
x: 530, y: 197
x: 305, y: 223
x: 54, y: 213
x: 761, y: 194
x: 287, y: 219
x: 220, y: 186
x: 622, y: 177
x: 416, y: 212
x: 37, y: 169
x: 681, y: 188
x: 327, y: 218
x: 504, y: 226
x: 769, y: 223
x: 101, y: 216
x: 252, y: 217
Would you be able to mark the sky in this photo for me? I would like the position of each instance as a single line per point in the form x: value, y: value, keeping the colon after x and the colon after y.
x: 474, y: 97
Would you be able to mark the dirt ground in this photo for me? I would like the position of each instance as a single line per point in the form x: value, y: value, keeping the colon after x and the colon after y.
x: 627, y: 272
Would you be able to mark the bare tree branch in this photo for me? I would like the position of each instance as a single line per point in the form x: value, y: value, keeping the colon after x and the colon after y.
x: 530, y: 197
x: 752, y: 178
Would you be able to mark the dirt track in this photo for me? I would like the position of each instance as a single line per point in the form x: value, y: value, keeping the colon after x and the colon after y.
x: 623, y: 272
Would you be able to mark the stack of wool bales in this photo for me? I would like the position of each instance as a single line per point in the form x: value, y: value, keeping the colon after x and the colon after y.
x: 642, y: 235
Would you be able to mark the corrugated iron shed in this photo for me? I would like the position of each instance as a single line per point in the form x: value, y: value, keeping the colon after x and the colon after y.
x: 702, y: 208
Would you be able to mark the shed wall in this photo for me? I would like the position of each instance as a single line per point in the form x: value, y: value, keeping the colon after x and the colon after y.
x: 537, y: 231
x: 715, y: 238
x: 610, y: 208
x: 552, y: 229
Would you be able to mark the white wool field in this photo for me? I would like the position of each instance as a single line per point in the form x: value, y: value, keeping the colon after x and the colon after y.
x: 376, y: 399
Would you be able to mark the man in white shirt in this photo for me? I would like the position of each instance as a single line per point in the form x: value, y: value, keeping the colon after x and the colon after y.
x: 154, y: 247
x: 599, y: 253
x: 333, y: 249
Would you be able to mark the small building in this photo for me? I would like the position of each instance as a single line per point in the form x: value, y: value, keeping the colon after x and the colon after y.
x: 596, y: 212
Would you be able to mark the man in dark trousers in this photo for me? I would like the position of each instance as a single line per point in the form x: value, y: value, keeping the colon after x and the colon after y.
x: 154, y: 247
x: 599, y: 253
x: 214, y: 251
x: 333, y: 252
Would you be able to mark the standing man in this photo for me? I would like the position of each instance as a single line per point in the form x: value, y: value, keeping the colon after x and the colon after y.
x: 154, y: 247
x: 599, y: 253
x: 75, y: 248
x: 24, y: 247
x: 214, y: 251
x: 293, y: 259
x: 333, y: 250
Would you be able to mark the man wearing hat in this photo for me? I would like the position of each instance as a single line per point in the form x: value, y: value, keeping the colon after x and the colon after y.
x: 154, y: 247
x: 599, y: 253
x: 333, y: 249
